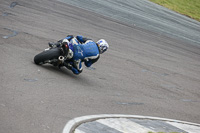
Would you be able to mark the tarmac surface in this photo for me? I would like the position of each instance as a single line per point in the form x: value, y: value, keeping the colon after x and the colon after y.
x: 143, y: 72
x: 146, y: 15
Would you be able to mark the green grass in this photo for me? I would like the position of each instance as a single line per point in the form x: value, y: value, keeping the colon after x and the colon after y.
x: 190, y: 8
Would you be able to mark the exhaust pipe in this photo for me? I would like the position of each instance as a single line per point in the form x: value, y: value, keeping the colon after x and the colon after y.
x: 61, y: 59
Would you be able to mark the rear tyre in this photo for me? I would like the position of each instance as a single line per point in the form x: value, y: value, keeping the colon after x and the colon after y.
x: 47, y: 55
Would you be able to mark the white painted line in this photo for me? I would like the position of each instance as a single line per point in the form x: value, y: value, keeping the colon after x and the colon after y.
x: 186, y: 127
x: 72, y: 124
x: 124, y: 125
x: 78, y: 131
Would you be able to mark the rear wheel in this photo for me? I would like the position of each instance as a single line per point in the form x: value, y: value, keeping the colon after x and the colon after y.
x: 47, y: 55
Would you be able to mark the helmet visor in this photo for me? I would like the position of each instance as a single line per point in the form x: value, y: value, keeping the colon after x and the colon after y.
x: 103, y: 49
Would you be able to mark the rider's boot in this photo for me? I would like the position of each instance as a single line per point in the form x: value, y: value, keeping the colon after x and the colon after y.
x: 53, y: 45
x: 67, y: 65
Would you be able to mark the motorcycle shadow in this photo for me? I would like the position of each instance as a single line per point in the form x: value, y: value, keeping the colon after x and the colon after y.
x: 65, y: 73
x: 61, y: 71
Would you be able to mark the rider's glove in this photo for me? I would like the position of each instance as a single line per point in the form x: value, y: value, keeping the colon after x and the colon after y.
x: 75, y: 71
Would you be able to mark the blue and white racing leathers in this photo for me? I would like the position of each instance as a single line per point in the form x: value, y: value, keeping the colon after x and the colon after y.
x: 84, y: 50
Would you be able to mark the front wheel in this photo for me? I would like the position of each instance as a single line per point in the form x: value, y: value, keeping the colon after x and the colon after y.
x: 41, y: 58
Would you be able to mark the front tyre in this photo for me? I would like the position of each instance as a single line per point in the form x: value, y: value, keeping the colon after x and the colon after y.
x: 41, y: 58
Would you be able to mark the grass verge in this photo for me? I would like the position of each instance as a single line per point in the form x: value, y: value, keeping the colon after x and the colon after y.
x: 190, y: 8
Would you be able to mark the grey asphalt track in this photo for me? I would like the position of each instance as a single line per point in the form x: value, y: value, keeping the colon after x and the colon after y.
x: 144, y: 72
x: 145, y: 14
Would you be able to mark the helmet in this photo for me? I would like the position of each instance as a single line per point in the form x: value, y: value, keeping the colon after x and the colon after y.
x: 103, y: 45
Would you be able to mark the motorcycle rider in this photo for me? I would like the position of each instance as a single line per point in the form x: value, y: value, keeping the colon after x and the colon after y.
x: 81, y: 49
